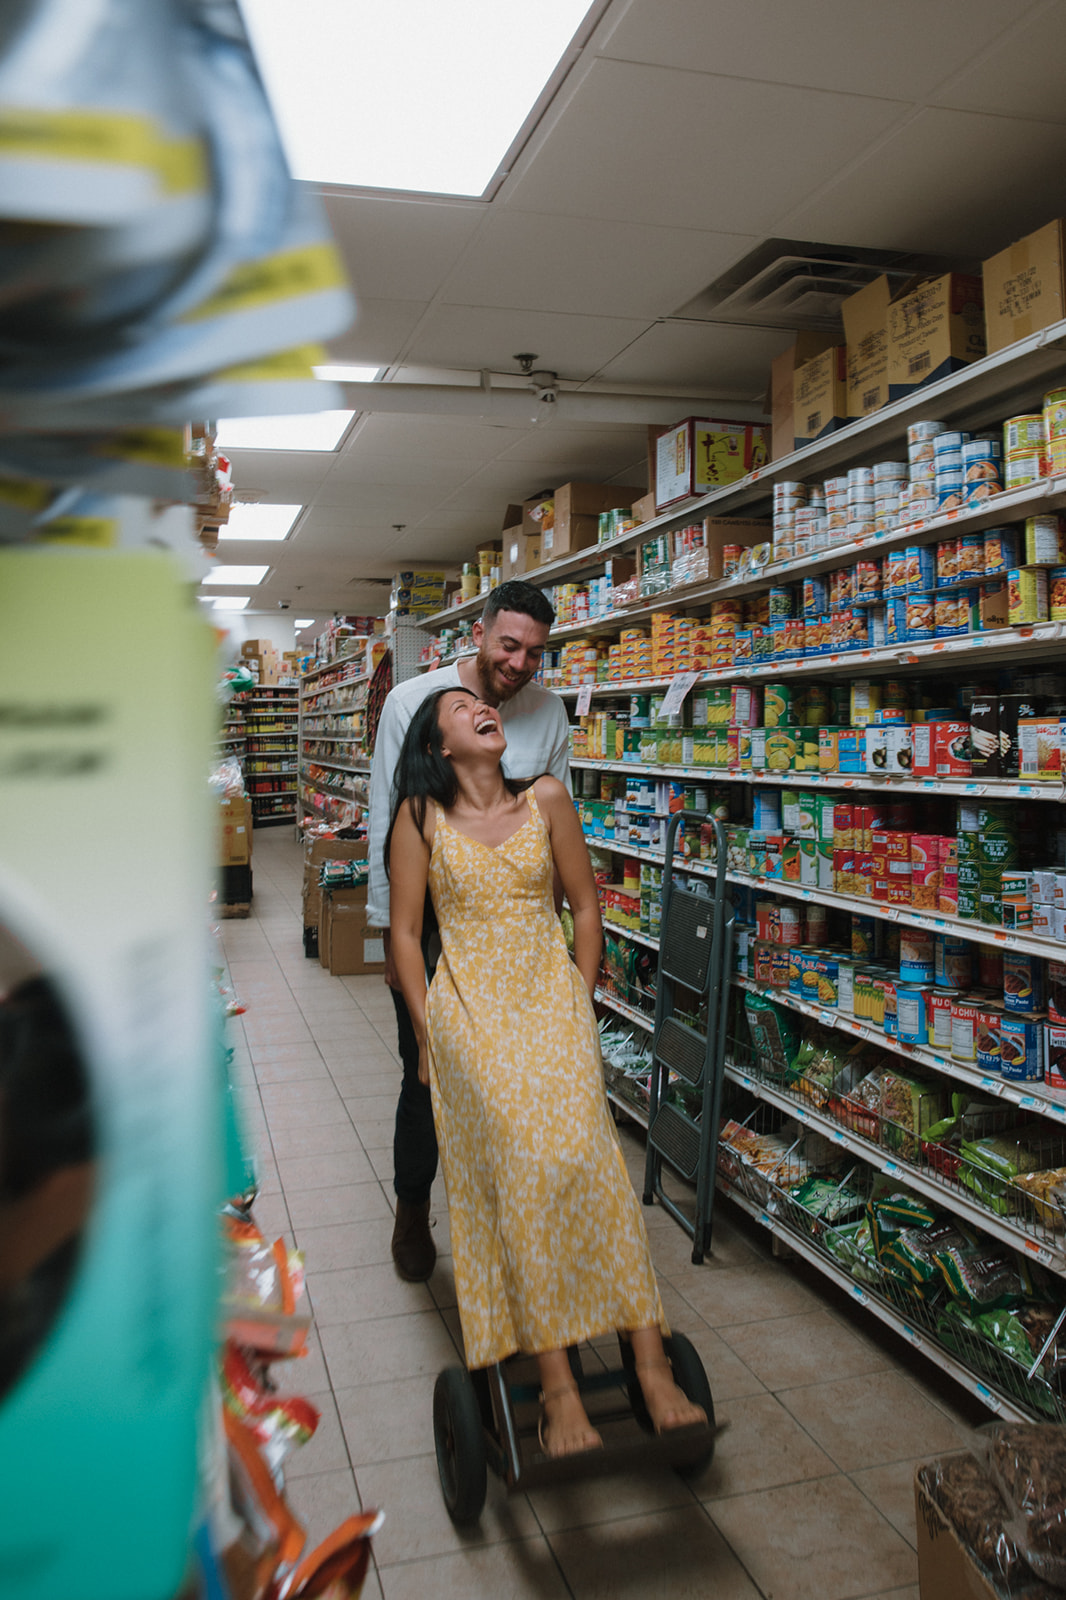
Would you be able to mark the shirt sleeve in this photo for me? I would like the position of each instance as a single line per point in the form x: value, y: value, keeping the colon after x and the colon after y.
x: 559, y: 765
x: 387, y: 746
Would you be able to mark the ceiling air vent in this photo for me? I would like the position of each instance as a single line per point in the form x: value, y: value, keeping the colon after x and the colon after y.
x: 792, y: 283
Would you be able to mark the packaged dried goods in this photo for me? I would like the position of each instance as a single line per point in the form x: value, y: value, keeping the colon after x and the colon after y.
x: 963, y: 1490
x: 1027, y: 1462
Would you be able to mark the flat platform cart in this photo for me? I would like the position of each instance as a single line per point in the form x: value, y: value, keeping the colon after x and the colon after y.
x: 488, y: 1418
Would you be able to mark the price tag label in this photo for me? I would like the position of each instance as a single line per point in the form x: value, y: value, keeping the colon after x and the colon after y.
x: 1030, y: 1102
x: 828, y: 1017
x: 992, y: 1085
x: 680, y: 684
x: 891, y: 1168
x: 584, y: 699
x: 859, y: 1294
x: 1043, y: 1255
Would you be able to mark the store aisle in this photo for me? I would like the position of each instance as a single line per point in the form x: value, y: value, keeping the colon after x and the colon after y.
x: 809, y: 1497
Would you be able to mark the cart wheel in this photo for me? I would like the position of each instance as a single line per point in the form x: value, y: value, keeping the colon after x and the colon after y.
x: 460, y: 1445
x: 691, y: 1379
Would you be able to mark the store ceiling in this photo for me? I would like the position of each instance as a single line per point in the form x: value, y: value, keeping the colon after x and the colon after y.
x: 687, y: 134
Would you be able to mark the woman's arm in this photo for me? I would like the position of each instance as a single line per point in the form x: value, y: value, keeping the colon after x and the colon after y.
x: 574, y: 869
x: 408, y: 875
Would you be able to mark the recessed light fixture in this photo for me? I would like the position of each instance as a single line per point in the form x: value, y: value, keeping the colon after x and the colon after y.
x: 225, y: 574
x: 341, y: 374
x: 303, y: 622
x: 231, y: 602
x: 311, y: 430
x: 259, y: 522
x: 473, y: 71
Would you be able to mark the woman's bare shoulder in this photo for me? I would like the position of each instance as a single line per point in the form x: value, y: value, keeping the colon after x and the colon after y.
x: 407, y: 819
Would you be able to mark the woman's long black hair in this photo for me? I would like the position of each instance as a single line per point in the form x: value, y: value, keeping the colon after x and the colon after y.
x: 424, y: 772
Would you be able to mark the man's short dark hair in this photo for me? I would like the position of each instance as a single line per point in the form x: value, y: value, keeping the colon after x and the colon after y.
x: 517, y: 595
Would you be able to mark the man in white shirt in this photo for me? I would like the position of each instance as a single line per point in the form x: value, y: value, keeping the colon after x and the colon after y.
x: 510, y: 640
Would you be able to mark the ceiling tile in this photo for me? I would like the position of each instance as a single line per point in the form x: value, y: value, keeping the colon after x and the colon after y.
x: 401, y: 249
x: 723, y: 360
x: 651, y: 145
x: 562, y: 445
x: 1020, y: 76
x: 379, y: 333
x: 577, y: 264
x: 432, y: 437
x: 287, y: 477
x: 472, y: 337
x: 950, y: 181
x: 900, y: 50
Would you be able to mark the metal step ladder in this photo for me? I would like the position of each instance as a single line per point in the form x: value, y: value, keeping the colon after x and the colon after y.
x: 695, y: 955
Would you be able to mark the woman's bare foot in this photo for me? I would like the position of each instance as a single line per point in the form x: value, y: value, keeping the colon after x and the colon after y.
x: 564, y: 1428
x: 668, y: 1406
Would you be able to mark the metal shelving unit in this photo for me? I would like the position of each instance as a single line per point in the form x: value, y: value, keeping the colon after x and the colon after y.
x: 270, y: 720
x: 330, y: 698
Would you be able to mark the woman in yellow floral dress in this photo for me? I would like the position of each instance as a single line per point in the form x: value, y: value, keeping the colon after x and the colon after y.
x: 547, y: 1235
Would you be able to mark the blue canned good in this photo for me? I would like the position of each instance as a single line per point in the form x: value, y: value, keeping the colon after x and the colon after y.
x: 971, y: 564
x: 945, y: 443
x: 920, y: 567
x: 815, y: 597
x: 950, y: 499
x: 921, y: 617
x: 896, y: 620
x: 911, y: 1014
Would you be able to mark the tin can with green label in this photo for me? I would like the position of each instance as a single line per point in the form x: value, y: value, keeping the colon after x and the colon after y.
x: 777, y: 705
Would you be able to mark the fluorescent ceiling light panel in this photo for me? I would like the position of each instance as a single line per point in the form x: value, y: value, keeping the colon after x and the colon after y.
x: 313, y: 430
x: 224, y: 574
x: 259, y: 522
x: 303, y: 622
x: 231, y: 602
x: 409, y: 95
x: 341, y: 374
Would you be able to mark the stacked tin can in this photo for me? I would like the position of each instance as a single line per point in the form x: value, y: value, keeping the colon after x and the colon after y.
x: 918, y: 500
x: 788, y: 498
x: 1023, y: 450
x: 1055, y: 430
x: 811, y: 527
x: 982, y: 470
x: 861, y: 515
x: 836, y: 509
x: 947, y: 469
x: 890, y: 480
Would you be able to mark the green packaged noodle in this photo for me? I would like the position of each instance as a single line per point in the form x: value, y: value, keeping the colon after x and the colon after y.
x: 981, y: 1278
x: 773, y: 1033
x: 828, y: 1199
x: 852, y: 1246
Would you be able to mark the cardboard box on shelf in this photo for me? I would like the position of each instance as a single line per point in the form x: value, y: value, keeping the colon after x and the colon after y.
x: 354, y: 946
x: 704, y: 453
x: 257, y: 647
x: 934, y: 328
x: 235, y: 847
x: 512, y: 518
x: 644, y: 508
x: 521, y: 553
x: 781, y: 398
x: 820, y: 396
x: 866, y: 336
x: 1025, y: 286
x: 539, y: 512
x: 577, y: 501
x: 946, y: 1569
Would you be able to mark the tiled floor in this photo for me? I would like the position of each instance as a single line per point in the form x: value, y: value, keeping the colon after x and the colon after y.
x: 809, y: 1496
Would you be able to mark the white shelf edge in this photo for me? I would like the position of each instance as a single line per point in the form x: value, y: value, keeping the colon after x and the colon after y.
x: 992, y: 788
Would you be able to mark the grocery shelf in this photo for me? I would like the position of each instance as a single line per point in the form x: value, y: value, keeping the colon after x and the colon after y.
x: 269, y: 772
x: 324, y: 788
x: 880, y: 783
x: 1002, y: 1405
x: 333, y: 666
x: 331, y: 738
x: 630, y: 1013
x: 920, y: 1179
x: 936, y: 922
x: 362, y: 768
x: 627, y: 1106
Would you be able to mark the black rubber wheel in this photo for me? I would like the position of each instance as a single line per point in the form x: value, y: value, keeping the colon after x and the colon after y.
x: 691, y: 1378
x: 460, y: 1445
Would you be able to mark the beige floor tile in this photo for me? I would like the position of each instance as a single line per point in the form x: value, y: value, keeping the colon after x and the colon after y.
x: 292, y: 1117
x: 424, y: 1528
x: 891, y: 1490
x: 309, y: 1068
x: 584, y: 1503
x: 326, y: 1450
x: 820, y: 1540
x: 306, y: 1375
x: 351, y: 1202
x: 672, y: 1555
x: 791, y: 1352
x: 911, y: 1592
x: 354, y: 1084
x: 363, y: 1294
x: 342, y: 1245
x: 387, y: 1348
x: 380, y: 1158
x: 388, y: 1421
x: 442, y: 1284
x: 303, y: 1050
x: 272, y: 1032
x: 322, y: 1502
x: 374, y: 1132
x: 730, y: 1378
x: 761, y: 1447
x: 334, y: 1169
x: 874, y: 1419
x: 334, y: 1138
x: 272, y: 1215
x: 732, y: 1295
x: 302, y: 1092
x: 522, y: 1570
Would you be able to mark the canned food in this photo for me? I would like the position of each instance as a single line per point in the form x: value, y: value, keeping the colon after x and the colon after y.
x: 1024, y: 434
x: 912, y: 1020
x: 1023, y: 982
x: 1020, y: 470
x: 964, y: 1014
x: 1055, y: 414
x: 988, y: 1036
x: 732, y: 556
x: 867, y: 580
x: 919, y: 567
x: 916, y: 957
x: 1022, y: 1049
x: 921, y: 617
x: 1027, y: 595
x: 953, y: 966
x: 1057, y: 594
x: 1001, y: 550
x: 1045, y: 543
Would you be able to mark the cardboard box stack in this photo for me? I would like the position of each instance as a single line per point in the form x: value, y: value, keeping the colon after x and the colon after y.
x: 263, y: 662
x: 418, y: 592
x: 782, y: 389
x: 1025, y: 286
x: 335, y: 922
x: 705, y: 453
x: 235, y: 857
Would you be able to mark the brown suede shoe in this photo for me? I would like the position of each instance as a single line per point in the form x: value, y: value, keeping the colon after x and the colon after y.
x: 413, y: 1249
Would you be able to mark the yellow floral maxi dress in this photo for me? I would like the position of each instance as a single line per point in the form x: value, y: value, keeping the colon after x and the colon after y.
x: 547, y: 1235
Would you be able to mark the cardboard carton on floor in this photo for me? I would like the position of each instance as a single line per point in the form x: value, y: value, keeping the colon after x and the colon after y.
x: 782, y: 397
x: 946, y: 1569
x: 235, y: 848
x: 315, y: 852
x: 1025, y: 286
x: 354, y: 946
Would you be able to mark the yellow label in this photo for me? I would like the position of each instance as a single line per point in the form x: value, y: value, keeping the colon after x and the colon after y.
x: 287, y: 366
x: 25, y: 492
x: 160, y: 447
x: 102, y: 137
x: 283, y: 276
x: 100, y: 532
